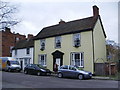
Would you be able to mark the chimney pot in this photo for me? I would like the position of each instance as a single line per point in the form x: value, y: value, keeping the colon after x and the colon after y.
x: 7, y: 30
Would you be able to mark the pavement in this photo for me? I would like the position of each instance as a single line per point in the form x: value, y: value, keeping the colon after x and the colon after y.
x: 101, y: 78
x: 93, y: 77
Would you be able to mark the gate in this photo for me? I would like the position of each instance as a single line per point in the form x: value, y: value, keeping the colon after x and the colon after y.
x: 99, y: 68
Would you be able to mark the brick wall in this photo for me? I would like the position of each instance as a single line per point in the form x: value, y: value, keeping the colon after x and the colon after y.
x: 9, y: 39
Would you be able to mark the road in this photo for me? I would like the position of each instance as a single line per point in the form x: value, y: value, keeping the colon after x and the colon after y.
x: 21, y: 80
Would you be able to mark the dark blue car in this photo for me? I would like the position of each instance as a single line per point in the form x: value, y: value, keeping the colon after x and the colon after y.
x: 74, y: 72
x: 36, y: 69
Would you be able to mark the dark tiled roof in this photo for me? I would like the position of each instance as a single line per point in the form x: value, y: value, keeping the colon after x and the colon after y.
x: 75, y: 26
x: 24, y: 44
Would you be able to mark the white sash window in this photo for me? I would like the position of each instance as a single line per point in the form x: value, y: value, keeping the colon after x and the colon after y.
x: 77, y: 59
x: 42, y: 60
x: 58, y: 42
x: 76, y: 40
x: 42, y: 44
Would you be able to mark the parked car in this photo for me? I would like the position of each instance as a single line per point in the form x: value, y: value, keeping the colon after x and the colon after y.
x: 74, y: 72
x: 36, y: 69
x: 9, y: 64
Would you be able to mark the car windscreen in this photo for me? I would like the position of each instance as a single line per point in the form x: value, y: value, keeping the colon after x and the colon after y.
x: 14, y: 62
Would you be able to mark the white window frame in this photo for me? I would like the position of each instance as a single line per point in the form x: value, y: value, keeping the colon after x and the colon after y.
x: 17, y: 38
x: 56, y: 39
x: 76, y: 35
x: 81, y: 60
x: 45, y: 59
x: 42, y: 41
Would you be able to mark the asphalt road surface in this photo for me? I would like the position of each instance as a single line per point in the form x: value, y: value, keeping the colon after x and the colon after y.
x: 21, y: 80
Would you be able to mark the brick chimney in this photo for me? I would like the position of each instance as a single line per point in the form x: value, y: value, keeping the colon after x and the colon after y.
x: 7, y: 30
x: 30, y: 36
x: 61, y: 21
x: 95, y: 11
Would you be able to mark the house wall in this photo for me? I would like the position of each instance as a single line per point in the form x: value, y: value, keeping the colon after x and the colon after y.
x: 21, y: 55
x: 99, y: 43
x: 8, y: 40
x: 67, y: 48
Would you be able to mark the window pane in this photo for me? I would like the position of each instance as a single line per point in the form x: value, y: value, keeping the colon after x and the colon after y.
x: 58, y: 42
x: 72, y: 58
x: 28, y: 50
x: 77, y: 59
x: 42, y: 44
x: 77, y: 56
x: 76, y: 40
x: 42, y: 59
x: 77, y: 62
x: 82, y: 60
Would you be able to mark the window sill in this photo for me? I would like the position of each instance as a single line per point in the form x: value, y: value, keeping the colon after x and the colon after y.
x: 81, y: 66
x: 57, y: 47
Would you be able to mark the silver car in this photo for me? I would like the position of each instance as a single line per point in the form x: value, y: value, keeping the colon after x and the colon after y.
x: 72, y: 71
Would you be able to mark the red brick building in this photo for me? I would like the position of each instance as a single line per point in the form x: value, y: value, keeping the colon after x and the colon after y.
x: 7, y: 41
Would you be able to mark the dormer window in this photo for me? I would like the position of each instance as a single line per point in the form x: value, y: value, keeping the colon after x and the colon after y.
x: 58, y: 42
x: 76, y: 40
x: 42, y: 44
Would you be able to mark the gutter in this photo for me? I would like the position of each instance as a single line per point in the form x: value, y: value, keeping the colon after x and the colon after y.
x: 93, y: 53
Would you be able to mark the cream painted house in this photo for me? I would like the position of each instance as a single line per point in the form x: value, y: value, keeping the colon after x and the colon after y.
x: 79, y: 42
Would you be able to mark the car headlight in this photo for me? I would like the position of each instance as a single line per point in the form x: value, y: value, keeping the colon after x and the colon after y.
x: 43, y: 70
x: 86, y: 73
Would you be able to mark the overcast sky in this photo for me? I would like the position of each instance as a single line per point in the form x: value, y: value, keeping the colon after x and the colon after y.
x: 37, y: 14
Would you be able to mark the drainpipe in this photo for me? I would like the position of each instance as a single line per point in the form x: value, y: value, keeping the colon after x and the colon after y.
x: 93, y: 53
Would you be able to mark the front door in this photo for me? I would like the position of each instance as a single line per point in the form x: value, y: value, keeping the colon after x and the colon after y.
x: 57, y: 59
x: 58, y: 62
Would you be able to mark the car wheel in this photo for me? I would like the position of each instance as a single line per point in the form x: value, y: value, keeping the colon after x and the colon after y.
x: 25, y: 72
x: 80, y: 77
x: 60, y: 75
x: 38, y: 73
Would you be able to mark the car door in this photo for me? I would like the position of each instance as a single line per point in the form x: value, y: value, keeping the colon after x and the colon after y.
x: 31, y: 69
x: 35, y: 69
x: 72, y: 71
x: 65, y: 71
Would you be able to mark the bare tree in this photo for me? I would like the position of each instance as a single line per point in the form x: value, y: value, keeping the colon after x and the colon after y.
x: 7, y: 14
